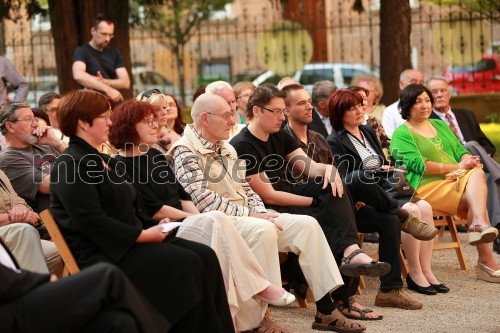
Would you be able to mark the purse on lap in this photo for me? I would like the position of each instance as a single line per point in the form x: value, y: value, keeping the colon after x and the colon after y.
x: 393, y: 181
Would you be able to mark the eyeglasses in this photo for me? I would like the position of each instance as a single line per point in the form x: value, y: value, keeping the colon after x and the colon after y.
x: 226, y: 115
x: 29, y: 120
x: 148, y: 93
x: 106, y: 116
x: 277, y: 113
x: 152, y: 122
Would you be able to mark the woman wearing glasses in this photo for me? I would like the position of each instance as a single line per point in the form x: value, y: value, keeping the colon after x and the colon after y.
x: 102, y: 218
x: 134, y: 132
x: 169, y: 117
x: 444, y: 173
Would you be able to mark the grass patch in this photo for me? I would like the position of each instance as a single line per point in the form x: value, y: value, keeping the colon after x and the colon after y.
x: 492, y: 131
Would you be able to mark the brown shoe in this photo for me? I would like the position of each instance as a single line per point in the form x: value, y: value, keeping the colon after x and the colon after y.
x: 418, y: 229
x: 336, y: 322
x: 267, y: 326
x: 396, y: 298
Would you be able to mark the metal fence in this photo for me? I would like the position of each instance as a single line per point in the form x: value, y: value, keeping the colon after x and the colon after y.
x: 249, y: 40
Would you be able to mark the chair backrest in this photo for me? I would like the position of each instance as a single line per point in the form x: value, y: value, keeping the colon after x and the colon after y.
x: 69, y: 261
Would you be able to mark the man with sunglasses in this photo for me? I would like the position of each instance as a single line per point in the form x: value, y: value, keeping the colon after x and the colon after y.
x: 98, y: 66
x: 30, y: 152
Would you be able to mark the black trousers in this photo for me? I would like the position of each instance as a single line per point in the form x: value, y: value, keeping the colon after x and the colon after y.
x: 183, y: 280
x: 98, y: 299
x: 378, y: 216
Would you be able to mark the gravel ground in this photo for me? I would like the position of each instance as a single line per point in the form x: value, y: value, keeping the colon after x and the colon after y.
x: 470, y: 306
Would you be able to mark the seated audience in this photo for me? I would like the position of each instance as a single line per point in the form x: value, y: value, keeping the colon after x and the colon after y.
x: 371, y: 121
x: 30, y: 152
x: 242, y: 91
x: 322, y: 90
x: 43, y: 118
x: 444, y: 173
x: 464, y: 125
x: 164, y: 198
x: 391, y: 118
x: 374, y: 93
x: 102, y: 218
x: 224, y: 90
x: 355, y: 148
x: 49, y: 103
x: 16, y: 229
x: 29, y: 301
x: 210, y: 172
x: 172, y: 125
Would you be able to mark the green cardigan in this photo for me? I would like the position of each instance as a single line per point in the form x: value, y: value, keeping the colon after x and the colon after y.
x: 413, y: 150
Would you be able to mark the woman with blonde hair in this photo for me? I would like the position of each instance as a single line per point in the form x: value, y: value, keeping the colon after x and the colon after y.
x: 171, y: 125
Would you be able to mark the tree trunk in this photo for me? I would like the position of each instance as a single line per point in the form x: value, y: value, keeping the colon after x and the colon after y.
x: 395, y: 29
x: 71, y: 21
x: 179, y: 55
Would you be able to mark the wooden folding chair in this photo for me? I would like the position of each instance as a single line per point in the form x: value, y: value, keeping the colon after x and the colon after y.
x: 70, y: 265
x: 447, y: 220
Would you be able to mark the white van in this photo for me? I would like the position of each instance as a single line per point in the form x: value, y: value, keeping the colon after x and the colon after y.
x: 340, y: 73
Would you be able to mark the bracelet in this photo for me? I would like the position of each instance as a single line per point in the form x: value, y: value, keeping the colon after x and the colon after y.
x: 441, y: 168
x: 9, y: 216
x: 59, y: 145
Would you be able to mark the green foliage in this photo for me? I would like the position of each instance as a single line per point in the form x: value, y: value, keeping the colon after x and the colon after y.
x: 493, y: 117
x: 12, y: 9
x: 481, y: 6
x: 176, y: 20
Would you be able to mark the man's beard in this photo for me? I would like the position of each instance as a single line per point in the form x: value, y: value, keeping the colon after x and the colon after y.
x: 30, y: 139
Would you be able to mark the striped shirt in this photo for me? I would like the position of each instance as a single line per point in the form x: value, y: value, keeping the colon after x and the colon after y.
x: 191, y: 177
x: 370, y: 158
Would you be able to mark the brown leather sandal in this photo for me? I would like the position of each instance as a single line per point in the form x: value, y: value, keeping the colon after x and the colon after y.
x: 336, y: 322
x: 351, y: 308
x: 267, y: 326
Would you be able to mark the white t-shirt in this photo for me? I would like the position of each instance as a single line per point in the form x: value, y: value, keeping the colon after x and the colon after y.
x: 391, y: 118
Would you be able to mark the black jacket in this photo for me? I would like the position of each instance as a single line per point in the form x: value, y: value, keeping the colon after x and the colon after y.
x: 80, y: 176
x: 470, y: 129
x: 317, y: 124
x: 345, y: 154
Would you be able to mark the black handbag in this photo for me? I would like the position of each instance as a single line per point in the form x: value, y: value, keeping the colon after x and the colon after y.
x: 393, y: 181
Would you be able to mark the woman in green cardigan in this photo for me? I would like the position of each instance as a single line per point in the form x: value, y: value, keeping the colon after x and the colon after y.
x: 444, y: 173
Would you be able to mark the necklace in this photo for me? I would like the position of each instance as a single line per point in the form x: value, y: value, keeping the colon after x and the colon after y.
x: 435, y: 141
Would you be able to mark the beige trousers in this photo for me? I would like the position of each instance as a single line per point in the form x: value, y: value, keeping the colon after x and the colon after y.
x: 52, y: 258
x: 301, y: 235
x: 243, y: 276
x: 24, y: 242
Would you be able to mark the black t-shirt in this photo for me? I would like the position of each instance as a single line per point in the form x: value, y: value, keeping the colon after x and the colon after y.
x: 267, y: 156
x: 155, y: 180
x: 106, y: 61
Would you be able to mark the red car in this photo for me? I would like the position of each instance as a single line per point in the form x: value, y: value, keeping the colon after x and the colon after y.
x: 480, y: 77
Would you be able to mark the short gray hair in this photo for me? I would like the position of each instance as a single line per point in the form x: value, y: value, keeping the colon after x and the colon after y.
x: 214, y: 87
x: 322, y: 90
x: 437, y: 77
x: 8, y: 113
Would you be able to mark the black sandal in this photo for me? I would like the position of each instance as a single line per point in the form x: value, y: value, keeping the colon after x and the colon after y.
x: 375, y: 268
x: 351, y: 308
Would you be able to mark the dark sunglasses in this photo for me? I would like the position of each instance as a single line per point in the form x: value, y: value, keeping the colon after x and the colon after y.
x: 148, y: 93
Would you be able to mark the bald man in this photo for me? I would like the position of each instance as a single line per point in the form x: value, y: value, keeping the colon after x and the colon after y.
x: 211, y: 173
x: 391, y: 118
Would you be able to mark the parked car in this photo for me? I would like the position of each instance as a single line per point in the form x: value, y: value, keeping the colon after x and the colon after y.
x: 267, y: 77
x: 479, y: 77
x: 340, y: 73
x: 145, y: 79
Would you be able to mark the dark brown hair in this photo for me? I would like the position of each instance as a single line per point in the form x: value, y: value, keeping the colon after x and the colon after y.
x: 340, y: 102
x: 262, y: 95
x: 77, y: 105
x: 124, y: 118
